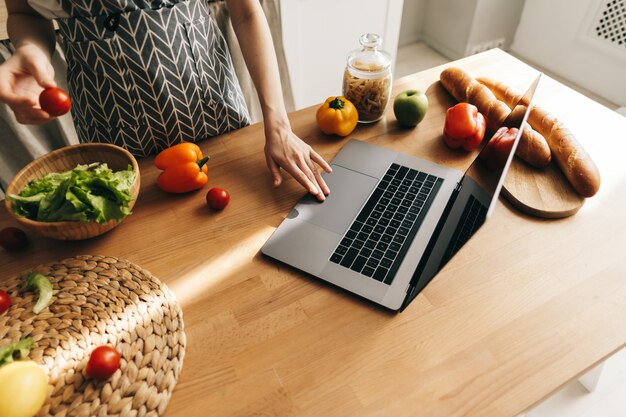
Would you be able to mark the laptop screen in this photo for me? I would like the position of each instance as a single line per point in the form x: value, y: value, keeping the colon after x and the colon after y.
x: 475, y: 196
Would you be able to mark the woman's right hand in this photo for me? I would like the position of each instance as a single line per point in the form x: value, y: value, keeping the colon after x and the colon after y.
x: 22, y: 78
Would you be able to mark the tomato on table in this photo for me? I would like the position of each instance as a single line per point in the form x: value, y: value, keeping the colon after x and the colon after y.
x: 103, y: 362
x: 217, y: 198
x: 13, y: 239
x: 55, y: 101
x: 5, y: 301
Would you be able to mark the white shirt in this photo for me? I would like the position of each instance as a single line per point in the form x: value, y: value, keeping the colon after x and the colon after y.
x: 49, y: 9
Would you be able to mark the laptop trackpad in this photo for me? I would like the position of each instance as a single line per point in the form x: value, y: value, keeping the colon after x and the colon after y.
x: 348, y: 193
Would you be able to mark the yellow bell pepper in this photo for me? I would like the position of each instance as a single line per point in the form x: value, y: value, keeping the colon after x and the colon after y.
x: 23, y: 383
x: 337, y: 116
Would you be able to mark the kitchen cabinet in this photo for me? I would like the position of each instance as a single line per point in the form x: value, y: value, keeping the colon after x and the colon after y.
x: 319, y: 34
x: 457, y: 28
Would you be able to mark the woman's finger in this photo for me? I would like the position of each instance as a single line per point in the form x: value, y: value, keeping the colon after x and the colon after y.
x: 317, y: 158
x: 317, y: 177
x: 295, y: 171
x: 320, y: 181
x: 14, y: 100
x: 275, y: 170
x: 31, y: 116
x: 307, y: 167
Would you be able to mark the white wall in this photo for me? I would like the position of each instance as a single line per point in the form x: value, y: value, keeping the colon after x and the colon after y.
x: 495, y: 19
x: 552, y: 34
x: 448, y: 24
x: 413, y: 13
x: 457, y: 28
x: 318, y: 35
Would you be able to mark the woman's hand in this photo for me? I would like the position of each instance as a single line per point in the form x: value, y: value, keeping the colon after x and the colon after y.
x: 283, y: 149
x: 22, y: 78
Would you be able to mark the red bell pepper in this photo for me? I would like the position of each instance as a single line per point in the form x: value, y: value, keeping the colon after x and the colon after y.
x: 498, y: 148
x: 464, y: 127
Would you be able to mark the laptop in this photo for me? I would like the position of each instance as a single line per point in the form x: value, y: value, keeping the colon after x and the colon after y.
x: 392, y: 221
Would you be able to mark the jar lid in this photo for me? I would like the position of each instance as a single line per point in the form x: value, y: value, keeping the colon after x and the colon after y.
x: 369, y: 58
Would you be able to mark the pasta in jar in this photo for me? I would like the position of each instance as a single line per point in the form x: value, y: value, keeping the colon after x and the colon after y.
x: 367, y: 79
x: 370, y: 96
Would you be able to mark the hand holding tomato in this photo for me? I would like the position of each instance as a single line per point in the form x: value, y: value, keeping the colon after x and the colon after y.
x: 5, y: 301
x: 103, y: 362
x: 217, y: 198
x: 55, y: 101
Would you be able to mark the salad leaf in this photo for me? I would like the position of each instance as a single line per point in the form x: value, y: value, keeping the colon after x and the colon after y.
x: 40, y: 283
x: 86, y: 193
x: 17, y: 350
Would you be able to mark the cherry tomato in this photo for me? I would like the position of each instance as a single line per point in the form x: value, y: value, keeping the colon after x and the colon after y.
x: 217, y: 198
x: 55, y: 101
x: 13, y: 239
x: 103, y: 362
x: 5, y: 301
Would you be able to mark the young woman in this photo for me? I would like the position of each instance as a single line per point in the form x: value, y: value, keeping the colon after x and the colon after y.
x: 147, y: 74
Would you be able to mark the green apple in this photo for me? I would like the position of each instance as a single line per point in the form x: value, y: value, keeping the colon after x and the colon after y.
x: 410, y: 107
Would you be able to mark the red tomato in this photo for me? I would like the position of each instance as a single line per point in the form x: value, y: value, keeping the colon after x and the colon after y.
x: 103, y: 362
x: 13, y: 239
x: 217, y: 198
x: 464, y: 127
x: 499, y: 147
x: 55, y: 101
x: 5, y: 301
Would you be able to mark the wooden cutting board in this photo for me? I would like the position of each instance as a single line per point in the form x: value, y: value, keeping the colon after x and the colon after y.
x: 542, y: 193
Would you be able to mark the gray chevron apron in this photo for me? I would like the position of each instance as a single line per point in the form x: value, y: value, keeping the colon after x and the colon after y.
x: 145, y: 75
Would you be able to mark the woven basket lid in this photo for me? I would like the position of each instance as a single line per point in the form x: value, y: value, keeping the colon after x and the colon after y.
x: 100, y: 300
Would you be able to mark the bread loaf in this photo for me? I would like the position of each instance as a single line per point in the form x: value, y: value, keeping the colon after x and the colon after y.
x: 571, y: 157
x: 532, y: 148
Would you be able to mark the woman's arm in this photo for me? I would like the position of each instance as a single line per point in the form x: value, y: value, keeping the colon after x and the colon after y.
x: 26, y: 27
x: 283, y: 149
x: 24, y: 75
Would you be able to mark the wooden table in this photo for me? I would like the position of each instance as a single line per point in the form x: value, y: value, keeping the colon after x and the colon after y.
x: 525, y: 307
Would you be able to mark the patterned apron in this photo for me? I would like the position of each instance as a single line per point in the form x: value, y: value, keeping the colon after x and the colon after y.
x: 145, y: 75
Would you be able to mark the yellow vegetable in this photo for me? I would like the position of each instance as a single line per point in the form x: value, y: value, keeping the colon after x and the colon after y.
x: 337, y: 116
x: 23, y: 389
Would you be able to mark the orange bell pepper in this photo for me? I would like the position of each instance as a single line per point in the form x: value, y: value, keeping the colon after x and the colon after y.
x: 464, y: 127
x: 184, y: 168
x: 337, y: 116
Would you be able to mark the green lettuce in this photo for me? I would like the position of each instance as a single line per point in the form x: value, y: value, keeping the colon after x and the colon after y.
x: 86, y: 193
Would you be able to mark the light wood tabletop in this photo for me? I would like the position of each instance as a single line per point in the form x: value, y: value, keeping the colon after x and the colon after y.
x: 526, y: 306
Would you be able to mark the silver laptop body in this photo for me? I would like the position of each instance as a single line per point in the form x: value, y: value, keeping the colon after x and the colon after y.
x: 328, y: 240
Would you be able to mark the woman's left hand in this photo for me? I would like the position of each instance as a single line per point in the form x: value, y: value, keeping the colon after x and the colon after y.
x: 283, y: 149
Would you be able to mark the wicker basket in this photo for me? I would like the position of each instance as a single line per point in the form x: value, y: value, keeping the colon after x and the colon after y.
x: 65, y: 159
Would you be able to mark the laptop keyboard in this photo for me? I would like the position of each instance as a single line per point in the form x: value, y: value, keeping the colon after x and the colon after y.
x: 474, y: 215
x: 379, y: 237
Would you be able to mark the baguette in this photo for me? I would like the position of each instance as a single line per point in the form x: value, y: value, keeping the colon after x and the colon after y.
x: 571, y: 157
x: 532, y: 148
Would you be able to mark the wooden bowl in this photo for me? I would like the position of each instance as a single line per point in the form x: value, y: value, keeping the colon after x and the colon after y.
x: 65, y: 159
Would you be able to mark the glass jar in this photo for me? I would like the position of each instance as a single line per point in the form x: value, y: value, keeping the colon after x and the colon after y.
x: 367, y: 78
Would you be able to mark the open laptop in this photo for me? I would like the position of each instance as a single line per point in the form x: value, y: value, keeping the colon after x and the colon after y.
x: 392, y: 221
